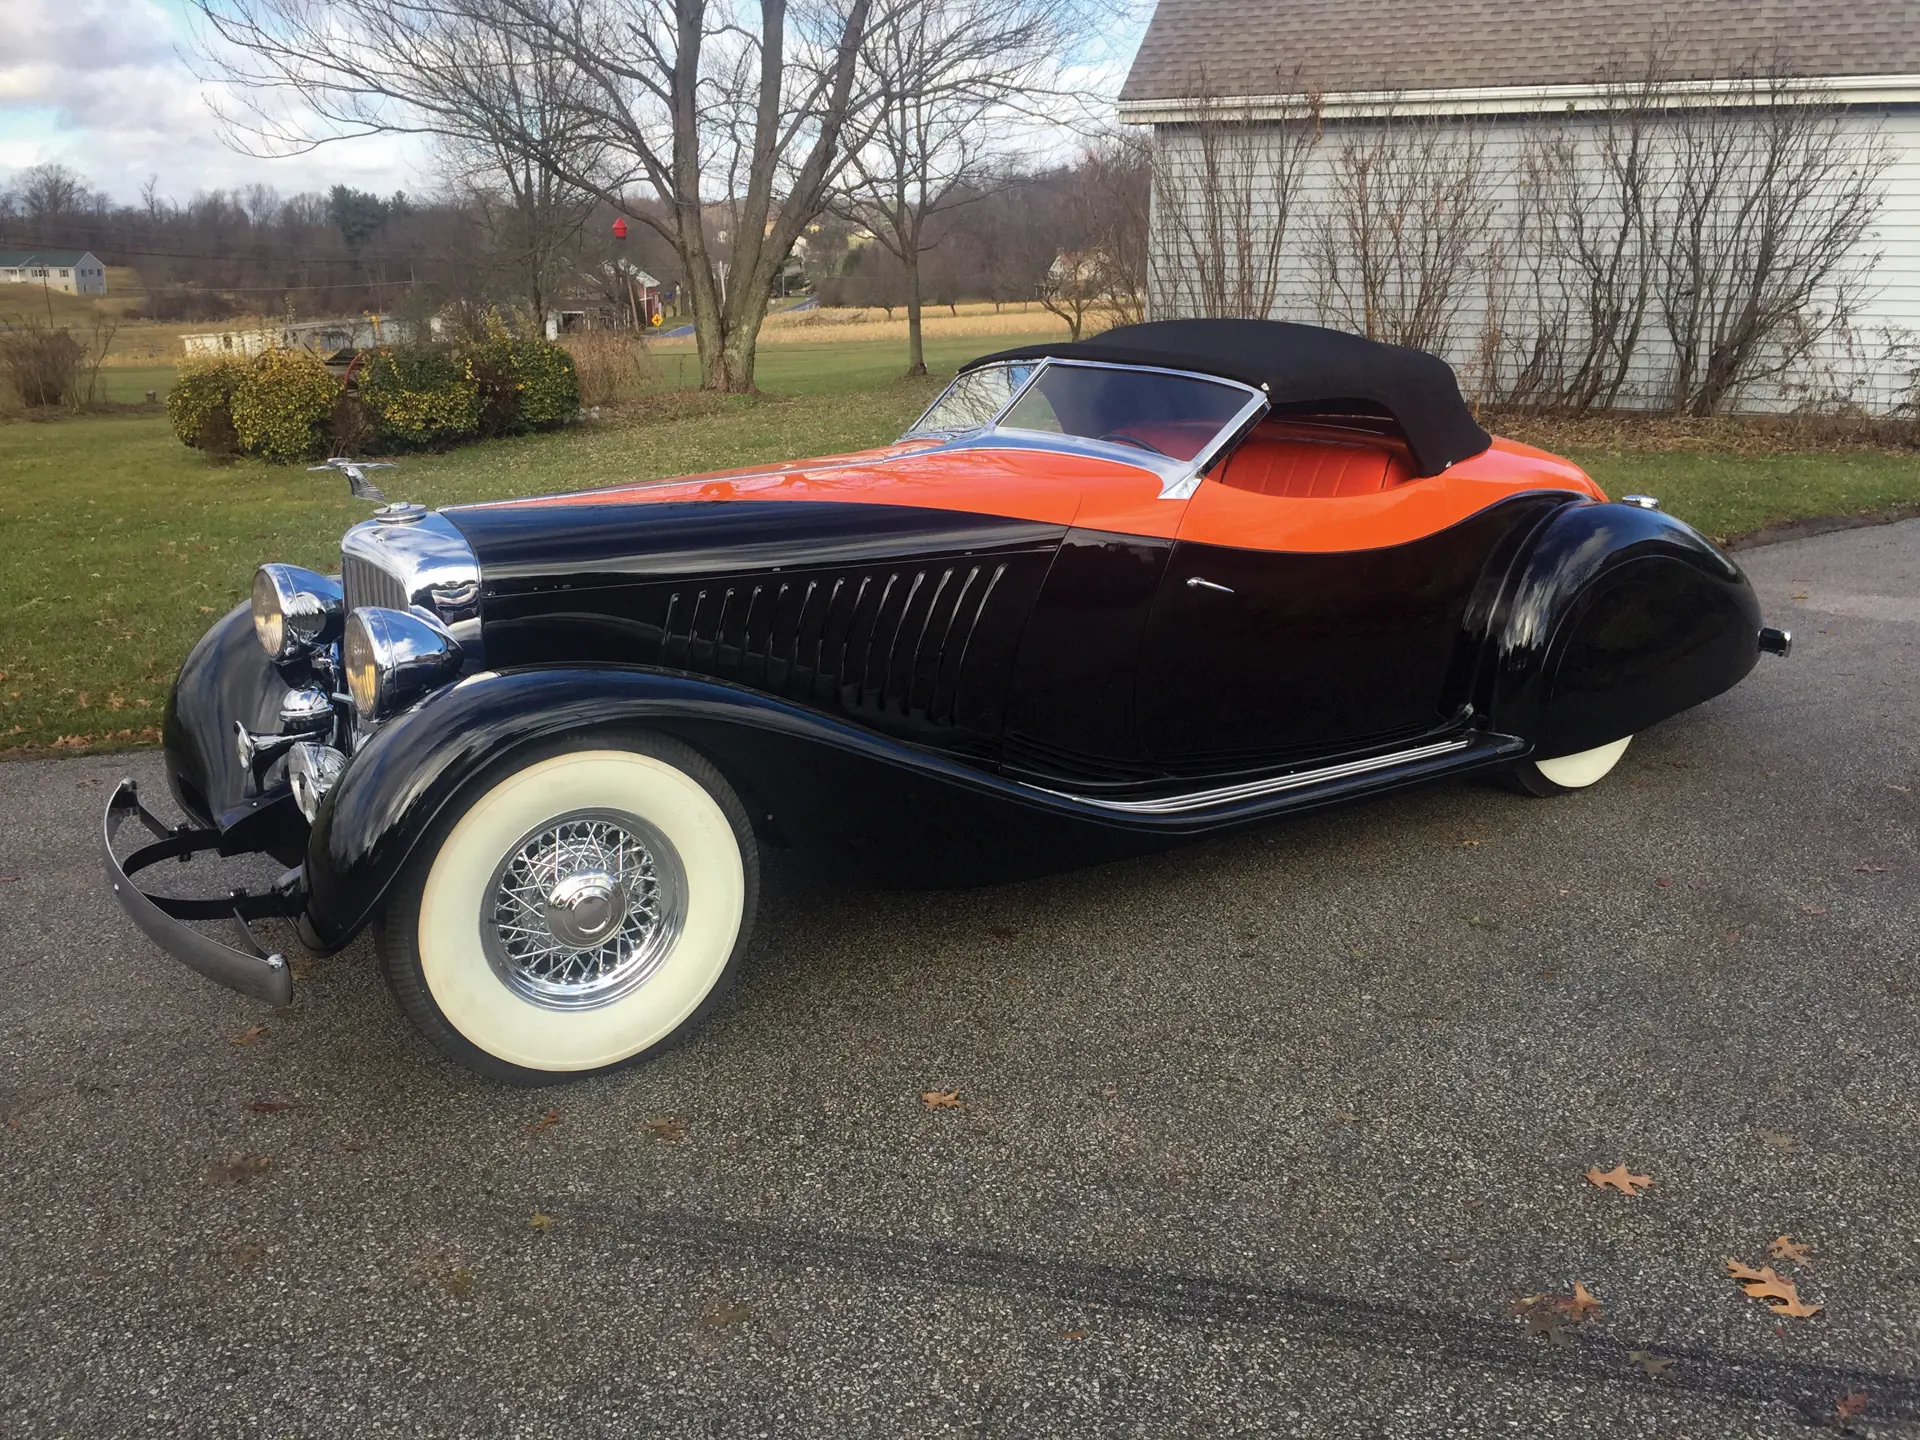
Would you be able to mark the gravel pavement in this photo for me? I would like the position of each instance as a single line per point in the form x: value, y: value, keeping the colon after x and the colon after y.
x: 1265, y: 1136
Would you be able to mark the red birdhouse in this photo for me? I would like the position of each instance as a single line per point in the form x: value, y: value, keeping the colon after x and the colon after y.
x: 619, y: 227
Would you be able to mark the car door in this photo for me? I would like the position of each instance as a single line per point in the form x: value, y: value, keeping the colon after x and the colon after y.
x: 1283, y: 630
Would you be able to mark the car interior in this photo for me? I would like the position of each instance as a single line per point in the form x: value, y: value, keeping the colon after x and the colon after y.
x: 1316, y: 459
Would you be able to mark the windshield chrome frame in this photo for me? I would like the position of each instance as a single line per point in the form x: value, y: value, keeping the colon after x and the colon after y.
x: 1178, y: 478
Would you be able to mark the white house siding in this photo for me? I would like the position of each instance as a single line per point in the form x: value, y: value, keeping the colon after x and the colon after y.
x: 1875, y: 365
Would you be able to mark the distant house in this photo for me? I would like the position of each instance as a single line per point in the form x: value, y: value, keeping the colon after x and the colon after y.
x: 618, y: 298
x: 77, y: 272
x: 1298, y: 144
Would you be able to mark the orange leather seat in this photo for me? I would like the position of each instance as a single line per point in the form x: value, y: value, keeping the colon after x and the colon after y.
x: 1303, y: 469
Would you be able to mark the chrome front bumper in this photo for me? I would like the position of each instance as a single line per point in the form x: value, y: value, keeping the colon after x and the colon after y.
x: 252, y: 971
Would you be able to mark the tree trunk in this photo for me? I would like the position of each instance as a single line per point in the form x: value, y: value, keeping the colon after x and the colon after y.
x: 916, y: 352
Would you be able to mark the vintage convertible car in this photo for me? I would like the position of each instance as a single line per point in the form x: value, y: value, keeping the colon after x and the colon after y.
x: 1103, y: 596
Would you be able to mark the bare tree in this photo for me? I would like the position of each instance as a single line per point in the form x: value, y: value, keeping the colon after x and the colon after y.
x: 950, y: 78
x: 1226, y: 190
x: 530, y: 211
x: 1403, y: 236
x: 1584, y: 265
x: 1769, y: 199
x: 1099, y: 222
x: 749, y: 98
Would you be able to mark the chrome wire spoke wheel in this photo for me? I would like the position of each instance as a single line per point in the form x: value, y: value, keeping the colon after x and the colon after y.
x: 583, y: 909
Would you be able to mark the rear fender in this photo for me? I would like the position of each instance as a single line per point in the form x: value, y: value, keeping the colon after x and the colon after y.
x: 1617, y: 618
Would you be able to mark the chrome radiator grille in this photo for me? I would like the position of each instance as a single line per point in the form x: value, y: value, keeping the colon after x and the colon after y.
x: 368, y: 584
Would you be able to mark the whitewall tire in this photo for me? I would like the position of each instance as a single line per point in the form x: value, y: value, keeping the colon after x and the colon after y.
x: 582, y: 911
x: 1563, y: 773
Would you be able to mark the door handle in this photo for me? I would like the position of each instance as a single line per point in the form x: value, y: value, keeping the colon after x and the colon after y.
x: 1194, y: 582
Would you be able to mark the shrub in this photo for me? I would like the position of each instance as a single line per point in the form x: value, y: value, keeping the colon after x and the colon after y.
x: 609, y: 365
x: 200, y: 405
x: 549, y: 384
x: 419, y: 396
x: 281, y: 404
x: 43, y: 365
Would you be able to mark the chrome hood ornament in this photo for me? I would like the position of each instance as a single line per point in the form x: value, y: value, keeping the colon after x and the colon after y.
x: 355, y: 471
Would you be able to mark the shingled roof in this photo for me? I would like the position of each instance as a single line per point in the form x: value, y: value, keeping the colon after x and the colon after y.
x: 1254, y: 47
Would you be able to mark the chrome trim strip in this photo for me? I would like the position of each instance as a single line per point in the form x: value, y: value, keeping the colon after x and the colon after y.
x: 1253, y: 789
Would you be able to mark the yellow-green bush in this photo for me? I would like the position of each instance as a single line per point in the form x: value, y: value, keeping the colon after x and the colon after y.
x: 200, y: 405
x: 281, y: 404
x: 420, y: 396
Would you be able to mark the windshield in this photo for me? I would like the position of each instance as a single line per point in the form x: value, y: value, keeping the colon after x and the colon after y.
x: 1173, y: 416
x: 973, y: 399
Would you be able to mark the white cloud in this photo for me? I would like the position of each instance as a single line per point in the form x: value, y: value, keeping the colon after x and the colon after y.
x: 102, y: 87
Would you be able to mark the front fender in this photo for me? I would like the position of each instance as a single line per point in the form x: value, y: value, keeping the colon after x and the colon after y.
x: 1617, y: 618
x: 226, y: 678
x: 803, y: 775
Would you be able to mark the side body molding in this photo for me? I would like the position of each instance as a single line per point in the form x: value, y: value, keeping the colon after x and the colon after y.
x: 1615, y: 618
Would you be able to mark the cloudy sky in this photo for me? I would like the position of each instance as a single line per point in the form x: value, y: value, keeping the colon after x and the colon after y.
x: 106, y: 88
x: 103, y: 86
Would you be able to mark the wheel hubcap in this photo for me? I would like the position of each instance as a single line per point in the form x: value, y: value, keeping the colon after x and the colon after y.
x: 583, y: 910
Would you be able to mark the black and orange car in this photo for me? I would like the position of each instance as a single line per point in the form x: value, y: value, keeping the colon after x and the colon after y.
x: 1180, y: 579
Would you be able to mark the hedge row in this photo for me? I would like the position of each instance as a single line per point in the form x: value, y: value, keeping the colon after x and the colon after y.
x: 286, y: 406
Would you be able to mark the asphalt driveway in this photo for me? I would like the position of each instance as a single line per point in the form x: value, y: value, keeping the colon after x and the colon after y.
x: 1265, y: 1136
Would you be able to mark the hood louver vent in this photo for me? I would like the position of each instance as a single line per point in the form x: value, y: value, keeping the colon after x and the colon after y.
x: 876, y: 642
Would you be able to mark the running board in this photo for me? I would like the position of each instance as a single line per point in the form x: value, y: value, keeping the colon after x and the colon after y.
x: 1228, y: 795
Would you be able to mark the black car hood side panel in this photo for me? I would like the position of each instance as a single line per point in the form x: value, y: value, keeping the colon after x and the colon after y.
x: 534, y: 547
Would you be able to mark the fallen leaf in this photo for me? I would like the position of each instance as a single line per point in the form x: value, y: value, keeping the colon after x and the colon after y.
x: 1002, y: 932
x: 1858, y: 870
x: 1073, y: 1334
x: 1782, y: 1140
x: 545, y: 1122
x: 1850, y: 1405
x: 460, y: 1282
x: 240, y: 1170
x: 1581, y: 1304
x: 1785, y: 1247
x: 249, y: 1252
x: 300, y: 967
x: 666, y: 1128
x: 1619, y: 1178
x: 726, y: 1313
x: 1782, y: 1296
x: 1650, y: 1363
x: 1469, y: 843
x: 250, y: 1035
x: 1798, y: 595
x: 1663, y: 884
x: 1549, y: 974
x: 1814, y: 909
x: 1549, y: 1326
x: 543, y: 1223
x: 269, y: 1107
x: 941, y: 1099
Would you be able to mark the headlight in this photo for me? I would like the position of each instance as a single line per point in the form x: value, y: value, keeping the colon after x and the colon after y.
x: 293, y: 609
x: 392, y: 659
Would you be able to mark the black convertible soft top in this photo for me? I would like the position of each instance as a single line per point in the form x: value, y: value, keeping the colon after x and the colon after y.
x: 1298, y: 365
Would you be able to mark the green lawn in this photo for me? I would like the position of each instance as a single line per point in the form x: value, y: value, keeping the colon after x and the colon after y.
x: 118, y: 545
